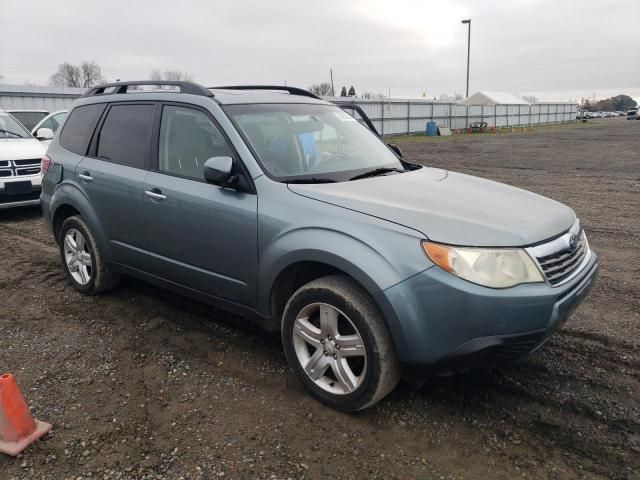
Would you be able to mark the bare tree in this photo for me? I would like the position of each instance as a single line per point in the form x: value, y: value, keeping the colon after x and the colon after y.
x: 170, y: 75
x: 155, y: 75
x: 321, y: 89
x: 85, y: 75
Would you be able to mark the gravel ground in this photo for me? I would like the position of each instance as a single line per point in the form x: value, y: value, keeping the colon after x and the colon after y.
x: 143, y: 384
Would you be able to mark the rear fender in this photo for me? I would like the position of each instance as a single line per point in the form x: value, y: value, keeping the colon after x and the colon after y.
x: 69, y: 194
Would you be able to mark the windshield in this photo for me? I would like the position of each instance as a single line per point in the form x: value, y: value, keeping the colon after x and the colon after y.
x: 29, y: 119
x: 11, y: 128
x: 312, y: 142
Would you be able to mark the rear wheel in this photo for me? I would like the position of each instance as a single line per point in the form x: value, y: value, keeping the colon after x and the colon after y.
x: 338, y: 345
x: 82, y: 259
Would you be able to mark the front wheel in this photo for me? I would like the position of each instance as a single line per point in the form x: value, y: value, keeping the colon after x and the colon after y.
x: 338, y: 345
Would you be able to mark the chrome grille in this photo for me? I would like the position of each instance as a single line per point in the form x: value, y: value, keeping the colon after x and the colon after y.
x: 28, y: 162
x: 20, y: 168
x: 563, y: 258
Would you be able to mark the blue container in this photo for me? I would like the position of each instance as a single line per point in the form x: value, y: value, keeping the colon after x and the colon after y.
x: 432, y: 129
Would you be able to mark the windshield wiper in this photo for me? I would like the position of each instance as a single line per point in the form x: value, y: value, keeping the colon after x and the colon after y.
x: 11, y: 133
x: 310, y: 180
x: 375, y: 172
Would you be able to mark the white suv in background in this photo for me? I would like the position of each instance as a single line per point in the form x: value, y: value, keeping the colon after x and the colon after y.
x: 20, y: 157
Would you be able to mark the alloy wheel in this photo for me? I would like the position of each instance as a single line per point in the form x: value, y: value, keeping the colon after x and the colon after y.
x: 329, y: 348
x: 77, y: 256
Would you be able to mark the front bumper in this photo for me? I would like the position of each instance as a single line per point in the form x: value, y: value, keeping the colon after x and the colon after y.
x: 25, y: 197
x: 441, y: 323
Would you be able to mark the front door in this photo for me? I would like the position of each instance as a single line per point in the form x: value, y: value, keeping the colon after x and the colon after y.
x: 198, y: 235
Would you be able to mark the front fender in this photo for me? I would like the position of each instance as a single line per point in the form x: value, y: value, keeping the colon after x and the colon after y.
x: 363, y: 261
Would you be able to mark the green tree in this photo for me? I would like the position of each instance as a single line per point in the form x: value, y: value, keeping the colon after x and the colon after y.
x: 605, y: 105
x: 343, y: 92
x: 618, y: 103
x: 352, y: 91
x: 624, y: 102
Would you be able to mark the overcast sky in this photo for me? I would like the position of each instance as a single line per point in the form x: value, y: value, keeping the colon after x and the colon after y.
x: 555, y: 49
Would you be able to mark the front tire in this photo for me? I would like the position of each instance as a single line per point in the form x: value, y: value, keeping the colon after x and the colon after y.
x: 82, y: 259
x: 337, y: 344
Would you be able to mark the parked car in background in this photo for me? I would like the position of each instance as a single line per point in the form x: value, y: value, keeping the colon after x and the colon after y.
x: 277, y: 205
x: 29, y: 118
x: 20, y: 157
x: 50, y: 122
x: 631, y: 114
x: 621, y: 114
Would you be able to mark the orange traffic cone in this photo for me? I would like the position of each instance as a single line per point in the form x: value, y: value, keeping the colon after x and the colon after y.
x: 18, y: 429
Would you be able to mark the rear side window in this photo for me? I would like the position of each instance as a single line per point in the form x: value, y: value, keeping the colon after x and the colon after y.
x: 124, y: 137
x: 76, y: 134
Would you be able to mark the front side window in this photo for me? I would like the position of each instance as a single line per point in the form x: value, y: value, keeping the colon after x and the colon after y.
x: 298, y: 141
x: 77, y: 132
x: 124, y: 136
x: 11, y: 128
x: 54, y: 121
x: 188, y: 138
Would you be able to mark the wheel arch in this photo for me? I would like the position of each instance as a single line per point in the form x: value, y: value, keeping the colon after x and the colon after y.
x: 301, y: 269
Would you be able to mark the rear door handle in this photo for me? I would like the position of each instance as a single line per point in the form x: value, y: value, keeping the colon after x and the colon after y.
x: 155, y: 194
x: 86, y: 176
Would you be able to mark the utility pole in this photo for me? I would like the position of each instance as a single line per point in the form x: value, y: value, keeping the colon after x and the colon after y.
x: 333, y: 92
x: 468, y: 22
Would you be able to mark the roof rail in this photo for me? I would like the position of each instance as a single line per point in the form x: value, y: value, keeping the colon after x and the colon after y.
x: 291, y: 90
x: 122, y: 87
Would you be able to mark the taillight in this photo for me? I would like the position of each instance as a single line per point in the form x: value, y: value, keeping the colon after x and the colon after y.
x: 44, y: 164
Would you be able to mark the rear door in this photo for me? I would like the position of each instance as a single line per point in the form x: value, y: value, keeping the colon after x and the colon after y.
x: 199, y: 235
x: 112, y: 176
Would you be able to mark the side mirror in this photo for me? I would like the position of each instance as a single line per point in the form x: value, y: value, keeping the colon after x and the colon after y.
x: 395, y: 148
x: 44, y: 134
x: 217, y: 170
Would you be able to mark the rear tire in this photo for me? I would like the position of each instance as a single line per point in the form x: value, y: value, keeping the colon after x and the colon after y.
x: 337, y: 344
x: 82, y: 259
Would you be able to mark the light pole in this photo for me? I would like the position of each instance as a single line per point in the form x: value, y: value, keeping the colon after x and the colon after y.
x: 468, y: 22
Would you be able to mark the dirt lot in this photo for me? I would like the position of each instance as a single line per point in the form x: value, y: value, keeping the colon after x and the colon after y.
x: 143, y: 384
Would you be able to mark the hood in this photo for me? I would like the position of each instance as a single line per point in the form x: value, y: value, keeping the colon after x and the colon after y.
x: 20, y: 149
x: 450, y: 207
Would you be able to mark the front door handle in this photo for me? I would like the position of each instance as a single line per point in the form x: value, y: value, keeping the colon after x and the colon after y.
x: 155, y: 194
x: 86, y: 176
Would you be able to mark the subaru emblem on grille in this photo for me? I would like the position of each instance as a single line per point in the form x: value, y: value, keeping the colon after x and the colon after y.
x: 573, y: 241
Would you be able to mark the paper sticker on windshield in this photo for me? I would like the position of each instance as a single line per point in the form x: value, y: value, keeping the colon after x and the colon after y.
x: 344, y: 116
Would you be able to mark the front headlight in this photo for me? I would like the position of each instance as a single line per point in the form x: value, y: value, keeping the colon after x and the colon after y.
x: 491, y: 267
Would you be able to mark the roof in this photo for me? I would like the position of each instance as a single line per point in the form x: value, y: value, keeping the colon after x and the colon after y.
x: 494, y: 98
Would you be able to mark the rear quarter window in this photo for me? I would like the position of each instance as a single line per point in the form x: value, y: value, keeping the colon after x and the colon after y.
x: 78, y: 129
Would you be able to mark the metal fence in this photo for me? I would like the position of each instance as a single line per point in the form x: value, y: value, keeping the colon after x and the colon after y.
x: 390, y: 117
x: 31, y: 97
x: 394, y: 117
